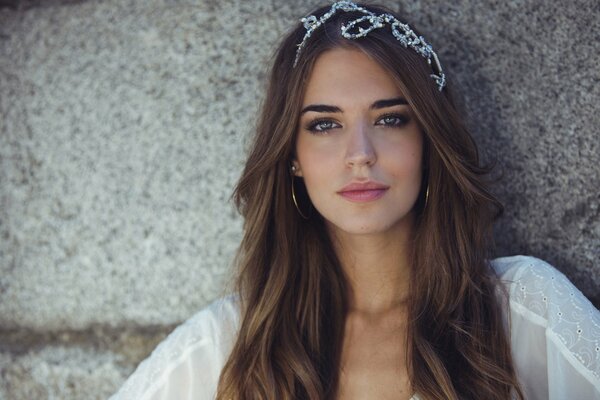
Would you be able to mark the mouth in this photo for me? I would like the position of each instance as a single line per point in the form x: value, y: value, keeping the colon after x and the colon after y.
x: 361, y: 192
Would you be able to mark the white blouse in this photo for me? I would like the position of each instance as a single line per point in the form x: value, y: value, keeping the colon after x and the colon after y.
x: 555, y: 335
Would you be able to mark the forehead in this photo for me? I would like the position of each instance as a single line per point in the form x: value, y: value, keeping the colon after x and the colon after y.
x: 348, y: 76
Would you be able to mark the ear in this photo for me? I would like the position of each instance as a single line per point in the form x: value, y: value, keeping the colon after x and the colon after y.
x: 295, y: 168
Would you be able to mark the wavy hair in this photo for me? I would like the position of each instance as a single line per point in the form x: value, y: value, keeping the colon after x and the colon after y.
x: 292, y: 288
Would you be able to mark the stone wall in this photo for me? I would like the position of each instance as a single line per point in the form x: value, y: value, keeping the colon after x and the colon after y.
x: 123, y: 126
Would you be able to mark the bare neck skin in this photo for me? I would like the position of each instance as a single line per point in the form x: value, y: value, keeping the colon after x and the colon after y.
x: 377, y: 267
x: 374, y: 356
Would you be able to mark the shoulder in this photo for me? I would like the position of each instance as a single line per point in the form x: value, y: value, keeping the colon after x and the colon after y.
x: 222, y: 315
x: 507, y: 268
x: 539, y: 287
x: 539, y: 290
x: 204, y: 340
x: 215, y: 324
x: 555, y: 329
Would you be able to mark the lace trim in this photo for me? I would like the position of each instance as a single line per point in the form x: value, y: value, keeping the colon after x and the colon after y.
x: 569, y: 315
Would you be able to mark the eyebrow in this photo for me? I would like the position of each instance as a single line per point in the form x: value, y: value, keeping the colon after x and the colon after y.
x: 388, y: 103
x: 324, y: 108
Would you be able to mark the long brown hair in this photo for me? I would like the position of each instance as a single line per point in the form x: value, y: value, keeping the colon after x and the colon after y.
x: 291, y: 285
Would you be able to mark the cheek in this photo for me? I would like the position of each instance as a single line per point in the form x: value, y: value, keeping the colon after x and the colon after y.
x: 315, y: 159
x: 405, y: 160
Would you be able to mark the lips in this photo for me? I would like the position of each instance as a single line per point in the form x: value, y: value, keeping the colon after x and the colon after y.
x: 361, y: 192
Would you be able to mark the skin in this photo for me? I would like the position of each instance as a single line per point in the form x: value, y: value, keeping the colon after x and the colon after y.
x: 366, y: 133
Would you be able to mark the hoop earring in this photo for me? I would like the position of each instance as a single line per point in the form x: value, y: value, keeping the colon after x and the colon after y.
x: 296, y: 201
x: 426, y: 197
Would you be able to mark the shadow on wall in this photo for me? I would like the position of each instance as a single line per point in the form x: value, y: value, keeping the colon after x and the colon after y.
x: 531, y: 120
x: 23, y: 5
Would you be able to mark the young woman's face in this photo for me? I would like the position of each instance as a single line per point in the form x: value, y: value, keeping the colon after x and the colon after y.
x: 359, y: 146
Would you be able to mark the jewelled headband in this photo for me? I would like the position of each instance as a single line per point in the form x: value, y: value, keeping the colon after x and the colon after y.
x: 353, y: 30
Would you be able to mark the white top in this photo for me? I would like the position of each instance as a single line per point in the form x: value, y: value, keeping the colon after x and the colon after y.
x: 555, y: 335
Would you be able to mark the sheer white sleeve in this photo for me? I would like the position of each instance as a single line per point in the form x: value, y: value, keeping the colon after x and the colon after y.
x: 187, y: 364
x: 555, y: 331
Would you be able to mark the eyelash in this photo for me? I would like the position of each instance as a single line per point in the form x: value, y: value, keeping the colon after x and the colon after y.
x: 402, y: 120
x: 313, y: 126
x: 316, y: 125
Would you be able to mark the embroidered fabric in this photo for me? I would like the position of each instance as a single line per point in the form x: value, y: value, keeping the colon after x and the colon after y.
x: 555, y: 331
x: 540, y: 289
x: 555, y: 336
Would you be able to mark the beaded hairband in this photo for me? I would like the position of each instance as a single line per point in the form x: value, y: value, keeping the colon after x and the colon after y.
x: 352, y: 30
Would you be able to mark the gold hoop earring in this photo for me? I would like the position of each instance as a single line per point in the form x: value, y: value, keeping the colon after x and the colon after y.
x: 296, y: 201
x: 426, y: 196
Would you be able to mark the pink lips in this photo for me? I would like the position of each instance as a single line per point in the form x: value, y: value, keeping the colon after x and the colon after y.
x: 362, y: 192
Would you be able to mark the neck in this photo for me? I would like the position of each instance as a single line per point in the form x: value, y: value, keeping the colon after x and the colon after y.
x: 377, y: 267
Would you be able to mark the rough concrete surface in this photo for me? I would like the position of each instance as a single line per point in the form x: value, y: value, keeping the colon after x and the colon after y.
x: 72, y: 364
x: 122, y: 132
x: 60, y: 373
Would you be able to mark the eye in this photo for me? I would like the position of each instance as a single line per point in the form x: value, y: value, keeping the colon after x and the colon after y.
x: 322, y: 125
x: 394, y: 120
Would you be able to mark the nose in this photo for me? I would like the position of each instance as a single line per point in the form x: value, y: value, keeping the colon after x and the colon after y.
x: 360, y: 150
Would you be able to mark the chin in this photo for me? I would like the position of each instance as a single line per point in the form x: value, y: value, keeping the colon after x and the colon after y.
x: 370, y: 227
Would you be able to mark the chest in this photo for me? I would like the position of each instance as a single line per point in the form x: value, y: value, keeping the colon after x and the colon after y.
x: 373, y: 364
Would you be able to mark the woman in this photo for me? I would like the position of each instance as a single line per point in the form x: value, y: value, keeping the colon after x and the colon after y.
x: 363, y: 269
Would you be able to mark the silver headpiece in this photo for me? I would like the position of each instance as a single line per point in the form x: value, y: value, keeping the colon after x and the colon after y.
x: 354, y: 30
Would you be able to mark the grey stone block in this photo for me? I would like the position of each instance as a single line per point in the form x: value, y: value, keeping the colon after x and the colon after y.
x: 89, y: 364
x: 124, y: 123
x: 61, y: 373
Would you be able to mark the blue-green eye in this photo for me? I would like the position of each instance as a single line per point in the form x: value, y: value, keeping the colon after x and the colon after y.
x: 322, y: 125
x: 393, y: 120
